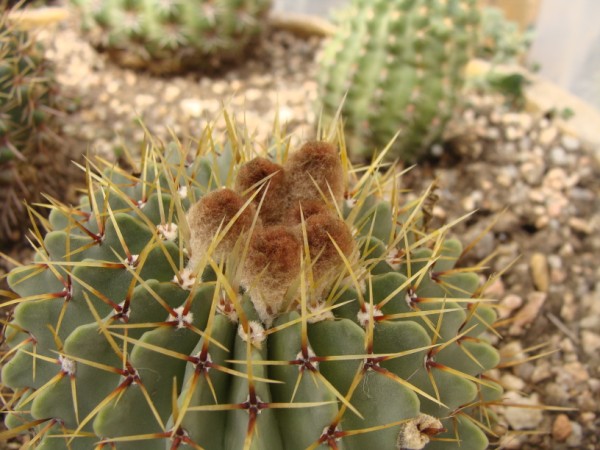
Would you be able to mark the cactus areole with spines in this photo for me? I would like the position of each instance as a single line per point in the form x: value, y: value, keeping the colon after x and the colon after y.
x: 398, y: 66
x: 167, y: 36
x: 225, y: 298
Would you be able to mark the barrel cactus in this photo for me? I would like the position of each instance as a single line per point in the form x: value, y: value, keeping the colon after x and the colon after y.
x: 399, y: 65
x: 29, y: 152
x: 223, y: 297
x: 166, y: 36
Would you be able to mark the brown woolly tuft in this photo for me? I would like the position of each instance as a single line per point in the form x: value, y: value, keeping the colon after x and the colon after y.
x: 211, y: 215
x: 321, y: 229
x: 271, y: 266
x: 296, y: 192
x: 306, y: 209
x: 315, y: 167
x: 249, y: 180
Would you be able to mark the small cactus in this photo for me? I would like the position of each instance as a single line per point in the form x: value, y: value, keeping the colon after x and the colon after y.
x: 30, y: 154
x: 185, y: 305
x: 168, y: 36
x: 398, y: 65
x: 501, y: 40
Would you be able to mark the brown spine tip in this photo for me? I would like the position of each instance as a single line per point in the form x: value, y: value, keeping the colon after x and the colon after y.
x: 315, y: 167
x: 211, y: 215
x: 251, y: 177
x: 321, y: 230
x: 271, y: 266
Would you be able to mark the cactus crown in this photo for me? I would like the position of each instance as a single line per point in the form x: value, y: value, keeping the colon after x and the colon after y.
x: 229, y: 298
x: 173, y: 35
x: 399, y: 65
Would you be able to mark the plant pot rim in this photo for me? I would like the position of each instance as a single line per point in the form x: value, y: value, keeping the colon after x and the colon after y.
x: 305, y: 25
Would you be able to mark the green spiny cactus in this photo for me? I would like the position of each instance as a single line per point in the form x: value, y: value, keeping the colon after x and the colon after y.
x: 166, y: 36
x: 229, y: 298
x: 501, y: 40
x: 29, y: 152
x: 399, y: 64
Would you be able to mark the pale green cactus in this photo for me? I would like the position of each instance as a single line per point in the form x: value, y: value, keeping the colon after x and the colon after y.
x: 221, y: 297
x: 501, y: 41
x: 398, y: 65
x: 166, y: 36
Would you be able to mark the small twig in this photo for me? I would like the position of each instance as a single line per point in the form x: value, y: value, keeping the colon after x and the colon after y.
x: 562, y: 327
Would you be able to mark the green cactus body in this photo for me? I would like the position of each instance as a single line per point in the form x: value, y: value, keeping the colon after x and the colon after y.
x: 184, y: 307
x: 399, y: 65
x: 166, y: 36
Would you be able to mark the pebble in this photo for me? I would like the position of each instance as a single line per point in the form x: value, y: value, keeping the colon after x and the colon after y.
x: 532, y: 172
x: 590, y: 343
x: 509, y: 304
x: 525, y: 144
x: 285, y: 114
x: 541, y: 372
x: 556, y: 394
x: 513, y: 133
x: 513, y: 351
x: 555, y: 179
x: 588, y: 418
x: 575, y: 438
x: 539, y: 271
x: 171, y: 92
x: 526, y: 315
x: 507, y: 222
x: 559, y: 156
x: 570, y: 143
x: 219, y: 87
x: 568, y: 309
x: 191, y: 107
x: 547, y: 135
x: 580, y: 225
x: 144, y: 100
x: 522, y: 418
x: 130, y: 77
x: 510, y: 173
x: 591, y: 322
x: 512, y: 383
x: 561, y: 428
x: 573, y: 373
x: 511, y: 441
x: 493, y: 133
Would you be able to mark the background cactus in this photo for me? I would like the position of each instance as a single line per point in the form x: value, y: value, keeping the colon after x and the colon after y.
x: 502, y: 41
x: 30, y: 150
x: 184, y: 305
x: 174, y: 35
x: 400, y: 65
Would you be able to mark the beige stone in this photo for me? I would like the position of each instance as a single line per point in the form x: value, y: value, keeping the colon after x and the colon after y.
x: 539, y: 271
x: 561, y: 428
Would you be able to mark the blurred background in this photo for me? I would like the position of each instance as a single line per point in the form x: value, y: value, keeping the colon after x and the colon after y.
x: 566, y: 39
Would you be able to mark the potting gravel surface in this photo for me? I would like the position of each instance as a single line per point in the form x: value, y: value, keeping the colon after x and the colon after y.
x: 546, y: 181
